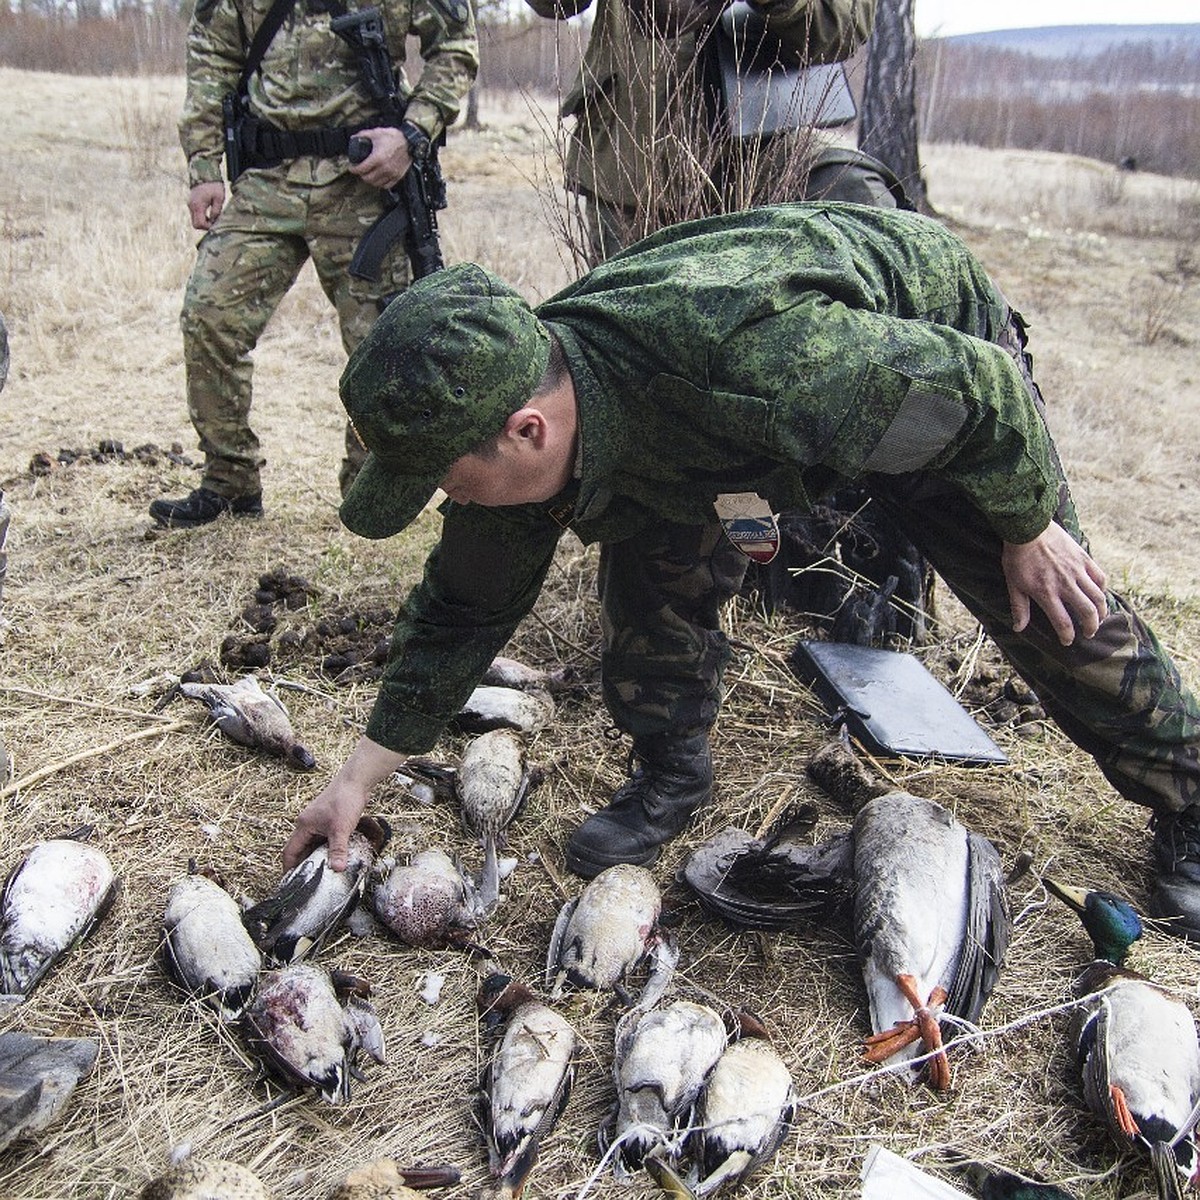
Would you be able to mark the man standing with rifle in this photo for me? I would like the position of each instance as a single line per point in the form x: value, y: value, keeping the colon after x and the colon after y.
x: 330, y: 153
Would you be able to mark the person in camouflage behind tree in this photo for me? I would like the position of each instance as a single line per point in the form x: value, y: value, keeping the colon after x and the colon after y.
x: 302, y: 199
x: 650, y: 145
x: 783, y: 352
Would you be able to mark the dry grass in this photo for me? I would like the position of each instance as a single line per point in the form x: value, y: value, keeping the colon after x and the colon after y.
x: 93, y: 257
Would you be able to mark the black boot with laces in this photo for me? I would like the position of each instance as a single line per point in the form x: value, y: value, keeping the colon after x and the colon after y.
x: 672, y: 780
x: 1177, y: 855
x: 203, y: 506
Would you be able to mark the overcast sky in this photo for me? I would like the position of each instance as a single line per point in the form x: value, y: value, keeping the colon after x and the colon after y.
x: 947, y: 17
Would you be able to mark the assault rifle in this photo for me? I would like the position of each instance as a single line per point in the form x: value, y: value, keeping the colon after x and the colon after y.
x: 416, y: 199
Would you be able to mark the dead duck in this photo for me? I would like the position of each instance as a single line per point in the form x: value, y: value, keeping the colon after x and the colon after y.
x: 206, y: 949
x: 313, y: 900
x: 490, y: 785
x: 52, y: 899
x: 38, y: 1076
x: 1137, y: 1048
x: 528, y: 1080
x: 305, y: 1035
x: 246, y: 714
x: 206, y: 1179
x: 661, y: 1062
x: 427, y: 902
x: 509, y: 673
x: 607, y: 931
x: 745, y: 1110
x: 385, y: 1179
x: 931, y: 919
x: 489, y: 707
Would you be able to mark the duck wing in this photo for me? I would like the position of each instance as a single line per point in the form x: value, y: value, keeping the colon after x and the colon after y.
x: 772, y: 885
x: 989, y: 926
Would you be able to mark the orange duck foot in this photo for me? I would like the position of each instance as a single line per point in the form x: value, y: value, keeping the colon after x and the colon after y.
x: 1121, y: 1111
x: 881, y: 1046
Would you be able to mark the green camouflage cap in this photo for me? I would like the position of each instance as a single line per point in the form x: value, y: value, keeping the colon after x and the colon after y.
x: 448, y: 362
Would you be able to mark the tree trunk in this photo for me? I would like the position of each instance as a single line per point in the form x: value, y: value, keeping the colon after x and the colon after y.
x: 887, y: 126
x: 472, y: 118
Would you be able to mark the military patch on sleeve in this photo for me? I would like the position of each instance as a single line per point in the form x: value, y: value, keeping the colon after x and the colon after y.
x: 749, y: 524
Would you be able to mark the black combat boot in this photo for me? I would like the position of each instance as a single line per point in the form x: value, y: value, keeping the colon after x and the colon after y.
x: 673, y: 778
x: 1177, y: 853
x: 202, y: 506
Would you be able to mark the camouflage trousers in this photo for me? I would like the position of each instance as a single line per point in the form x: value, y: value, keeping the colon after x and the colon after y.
x: 1117, y: 695
x: 245, y: 265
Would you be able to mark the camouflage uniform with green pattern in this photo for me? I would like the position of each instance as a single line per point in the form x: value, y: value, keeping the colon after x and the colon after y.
x: 788, y: 351
x: 278, y: 217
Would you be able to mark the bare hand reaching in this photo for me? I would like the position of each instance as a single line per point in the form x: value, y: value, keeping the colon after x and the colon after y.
x: 1057, y: 574
x: 333, y: 814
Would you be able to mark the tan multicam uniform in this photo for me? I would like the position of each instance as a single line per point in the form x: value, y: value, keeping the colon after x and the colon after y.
x: 278, y: 217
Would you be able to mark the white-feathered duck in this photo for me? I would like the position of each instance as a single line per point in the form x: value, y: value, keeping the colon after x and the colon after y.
x: 246, y: 714
x: 488, y: 707
x: 528, y: 1080
x: 207, y: 950
x: 607, y: 931
x: 1137, y: 1047
x: 304, y: 1033
x: 313, y: 900
x: 427, y: 902
x: 745, y: 1110
x: 490, y: 784
x: 509, y: 673
x: 52, y: 899
x: 931, y: 917
x: 37, y: 1079
x: 661, y: 1062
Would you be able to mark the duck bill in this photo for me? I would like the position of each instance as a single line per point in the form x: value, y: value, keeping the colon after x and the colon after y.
x: 1074, y: 897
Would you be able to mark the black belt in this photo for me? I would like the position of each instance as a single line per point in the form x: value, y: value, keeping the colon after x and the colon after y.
x: 264, y: 145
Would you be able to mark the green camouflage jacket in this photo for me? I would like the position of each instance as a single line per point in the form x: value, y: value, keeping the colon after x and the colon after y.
x: 782, y: 351
x: 308, y: 78
x: 636, y: 93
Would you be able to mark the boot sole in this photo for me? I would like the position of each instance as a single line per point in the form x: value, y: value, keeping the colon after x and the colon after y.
x: 169, y: 522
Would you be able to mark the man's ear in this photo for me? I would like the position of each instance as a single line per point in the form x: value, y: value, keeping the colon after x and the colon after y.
x: 527, y: 424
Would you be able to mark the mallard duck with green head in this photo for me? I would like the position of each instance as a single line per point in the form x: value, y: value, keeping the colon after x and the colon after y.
x: 1138, y: 1052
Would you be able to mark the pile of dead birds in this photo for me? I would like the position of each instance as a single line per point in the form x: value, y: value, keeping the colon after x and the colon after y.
x: 701, y: 1097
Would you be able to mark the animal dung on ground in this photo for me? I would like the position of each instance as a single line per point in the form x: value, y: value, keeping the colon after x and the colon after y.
x: 426, y: 902
x: 312, y: 900
x: 206, y: 1179
x: 305, y: 1035
x: 246, y: 714
x: 607, y: 931
x: 207, y: 950
x: 53, y: 899
x: 490, y: 707
x: 528, y: 1080
x: 37, y: 1078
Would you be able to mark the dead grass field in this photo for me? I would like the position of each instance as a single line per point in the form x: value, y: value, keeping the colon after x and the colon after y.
x: 94, y: 252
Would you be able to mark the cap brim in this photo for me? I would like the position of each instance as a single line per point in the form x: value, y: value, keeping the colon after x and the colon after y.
x: 381, y: 502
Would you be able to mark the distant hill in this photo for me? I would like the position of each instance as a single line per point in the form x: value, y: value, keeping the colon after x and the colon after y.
x: 1071, y: 41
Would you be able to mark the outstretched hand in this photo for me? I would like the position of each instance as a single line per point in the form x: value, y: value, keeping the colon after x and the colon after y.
x: 1058, y: 575
x: 333, y: 814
